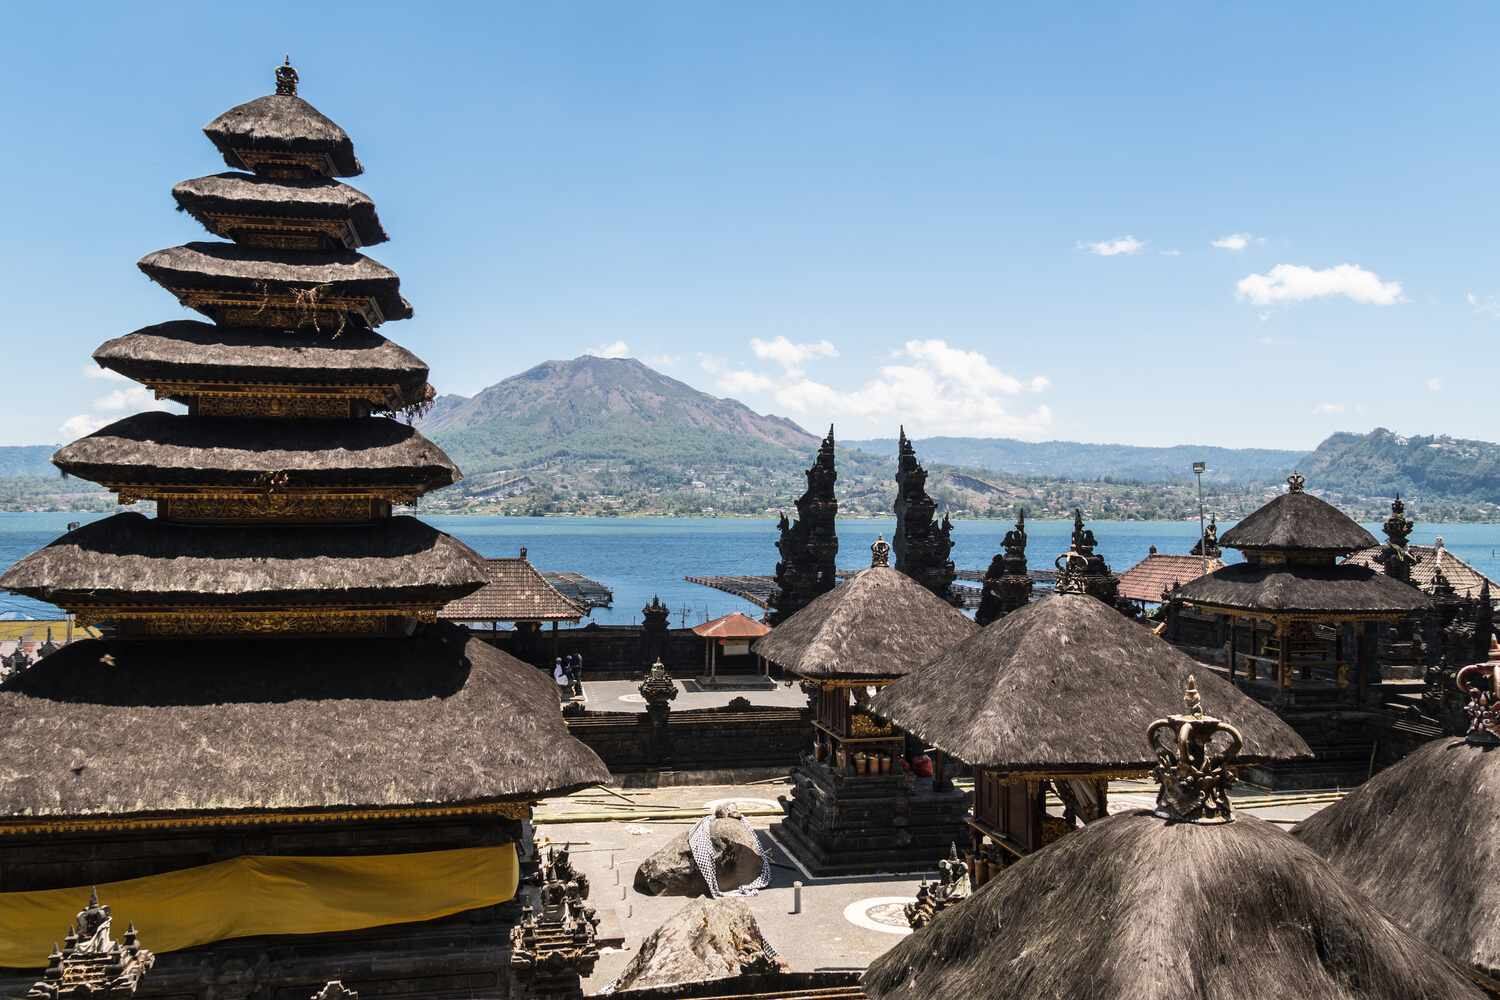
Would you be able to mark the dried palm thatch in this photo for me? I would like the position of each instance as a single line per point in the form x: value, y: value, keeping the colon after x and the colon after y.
x: 191, y: 351
x: 1301, y: 521
x: 179, y: 450
x: 252, y: 270
x: 1065, y: 683
x: 282, y: 123
x: 878, y: 624
x: 1420, y: 837
x: 130, y: 558
x: 311, y: 198
x: 1134, y: 907
x: 1294, y: 587
x: 139, y: 727
x: 707, y: 939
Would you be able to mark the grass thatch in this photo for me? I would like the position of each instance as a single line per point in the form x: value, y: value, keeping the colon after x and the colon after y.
x: 879, y: 624
x: 1420, y: 838
x: 314, y: 198
x: 1132, y: 908
x: 130, y: 727
x: 132, y: 558
x: 228, y: 267
x: 178, y: 450
x: 1066, y: 683
x: 1298, y: 520
x: 282, y: 122
x: 1295, y: 587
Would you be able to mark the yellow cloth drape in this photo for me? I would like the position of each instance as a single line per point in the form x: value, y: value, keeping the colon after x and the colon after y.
x: 266, y: 895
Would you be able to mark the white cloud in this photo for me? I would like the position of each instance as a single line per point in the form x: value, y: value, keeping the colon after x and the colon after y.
x: 81, y: 425
x: 1296, y: 283
x: 618, y: 349
x: 1328, y: 408
x: 1236, y: 241
x: 1434, y: 384
x: 1485, y: 305
x: 789, y: 355
x: 103, y: 374
x: 1114, y: 247
x: 741, y: 381
x: 113, y: 405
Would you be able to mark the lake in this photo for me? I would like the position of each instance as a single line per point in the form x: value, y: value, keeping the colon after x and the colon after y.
x: 641, y: 557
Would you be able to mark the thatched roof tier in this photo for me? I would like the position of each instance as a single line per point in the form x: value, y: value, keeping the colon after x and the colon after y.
x: 265, y: 129
x: 880, y: 624
x: 1133, y: 906
x: 1299, y: 522
x: 1420, y: 838
x: 1302, y: 589
x: 153, y: 727
x: 169, y: 449
x: 1065, y: 684
x: 132, y: 559
x: 191, y: 352
x: 251, y: 274
x: 216, y: 200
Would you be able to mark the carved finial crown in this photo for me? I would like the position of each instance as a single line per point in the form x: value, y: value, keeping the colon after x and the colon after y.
x: 880, y: 552
x: 1195, y: 756
x: 286, y: 79
x: 1481, y: 682
x: 1295, y: 482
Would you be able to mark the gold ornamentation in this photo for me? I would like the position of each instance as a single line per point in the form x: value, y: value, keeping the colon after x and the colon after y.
x: 282, y: 232
x: 267, y: 405
x: 285, y: 165
x: 287, y: 309
x: 863, y: 724
x: 213, y: 397
x: 288, y: 506
x: 376, y: 620
x: 515, y: 810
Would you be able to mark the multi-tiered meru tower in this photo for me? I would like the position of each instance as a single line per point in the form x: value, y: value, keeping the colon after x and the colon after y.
x: 278, y: 766
x: 809, y: 546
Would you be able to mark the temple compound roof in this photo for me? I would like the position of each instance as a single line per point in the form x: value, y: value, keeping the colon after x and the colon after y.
x: 1184, y: 902
x: 1431, y: 561
x: 1065, y: 683
x: 879, y: 624
x: 734, y: 625
x: 1159, y: 572
x: 514, y: 591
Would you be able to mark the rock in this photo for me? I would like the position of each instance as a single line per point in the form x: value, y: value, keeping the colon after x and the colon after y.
x: 671, y: 871
x: 707, y: 939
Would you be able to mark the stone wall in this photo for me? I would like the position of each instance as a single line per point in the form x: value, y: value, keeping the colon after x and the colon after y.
x: 616, y: 652
x: 696, y: 740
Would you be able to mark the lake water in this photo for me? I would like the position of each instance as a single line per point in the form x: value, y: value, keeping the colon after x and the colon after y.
x: 641, y: 557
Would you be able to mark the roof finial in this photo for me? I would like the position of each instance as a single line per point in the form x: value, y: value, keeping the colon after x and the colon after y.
x: 1295, y: 482
x: 1483, y: 708
x: 880, y: 552
x: 286, y: 79
x: 1195, y: 777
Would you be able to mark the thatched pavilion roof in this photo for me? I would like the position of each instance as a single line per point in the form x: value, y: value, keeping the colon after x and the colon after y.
x: 879, y: 624
x: 316, y: 198
x: 282, y: 123
x: 180, y: 450
x: 1420, y: 837
x: 1134, y: 907
x: 188, y: 350
x: 131, y: 558
x: 228, y: 267
x: 117, y: 728
x: 1298, y: 521
x: 1065, y: 683
x: 1298, y: 588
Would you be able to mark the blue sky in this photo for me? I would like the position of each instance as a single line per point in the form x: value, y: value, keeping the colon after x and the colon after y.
x: 990, y: 219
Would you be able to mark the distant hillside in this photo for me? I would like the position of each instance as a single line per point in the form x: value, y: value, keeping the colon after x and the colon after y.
x: 1086, y: 462
x: 1382, y: 463
x: 27, y: 460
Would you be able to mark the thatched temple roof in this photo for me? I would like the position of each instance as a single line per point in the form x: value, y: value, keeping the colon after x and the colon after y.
x: 879, y: 624
x: 1066, y: 683
x: 1420, y: 838
x: 1296, y: 588
x: 130, y: 727
x: 316, y: 198
x: 1133, y: 907
x: 178, y: 450
x: 1299, y: 521
x: 130, y: 558
x: 282, y: 122
x: 229, y: 267
x: 188, y: 350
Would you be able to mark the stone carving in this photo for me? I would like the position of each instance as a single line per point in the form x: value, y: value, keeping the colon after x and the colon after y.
x: 91, y: 963
x: 1007, y: 587
x: 922, y: 544
x: 555, y: 945
x: 1194, y: 774
x: 952, y: 886
x: 671, y: 871
x: 809, y: 546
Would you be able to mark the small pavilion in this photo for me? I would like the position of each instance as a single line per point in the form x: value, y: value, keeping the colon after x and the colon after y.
x: 1055, y: 696
x: 516, y: 592
x: 729, y: 635
x: 853, y: 808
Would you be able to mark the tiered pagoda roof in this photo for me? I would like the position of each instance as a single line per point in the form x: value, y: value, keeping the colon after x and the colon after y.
x: 325, y: 214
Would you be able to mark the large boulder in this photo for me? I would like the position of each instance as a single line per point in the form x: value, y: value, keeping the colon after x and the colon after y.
x: 707, y: 939
x: 671, y: 871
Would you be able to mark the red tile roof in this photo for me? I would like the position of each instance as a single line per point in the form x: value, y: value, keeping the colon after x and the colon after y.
x: 1465, y: 579
x: 517, y: 592
x: 732, y: 626
x: 1146, y: 580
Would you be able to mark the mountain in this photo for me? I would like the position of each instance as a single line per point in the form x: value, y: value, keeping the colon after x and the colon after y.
x: 1383, y: 463
x: 1084, y: 462
x: 27, y: 460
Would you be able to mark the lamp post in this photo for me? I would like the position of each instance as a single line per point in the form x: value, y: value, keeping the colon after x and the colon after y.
x: 1198, y: 469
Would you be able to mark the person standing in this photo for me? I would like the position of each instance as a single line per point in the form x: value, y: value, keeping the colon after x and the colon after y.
x: 563, y: 681
x: 578, y: 673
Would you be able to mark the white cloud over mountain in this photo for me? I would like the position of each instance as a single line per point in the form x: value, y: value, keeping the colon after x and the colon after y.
x: 617, y: 349
x: 1296, y: 283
